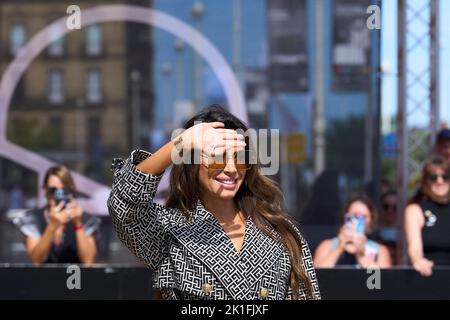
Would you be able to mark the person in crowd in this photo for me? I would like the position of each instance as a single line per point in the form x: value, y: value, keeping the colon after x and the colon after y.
x: 387, y: 230
x: 222, y: 233
x: 389, y: 202
x: 60, y: 232
x: 351, y: 246
x: 443, y: 144
x: 427, y: 218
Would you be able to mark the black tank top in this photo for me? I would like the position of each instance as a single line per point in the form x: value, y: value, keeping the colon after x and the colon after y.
x: 436, y: 231
x: 66, y: 251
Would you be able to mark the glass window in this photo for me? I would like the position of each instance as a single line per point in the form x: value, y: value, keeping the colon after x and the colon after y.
x: 56, y: 48
x: 56, y: 125
x: 93, y: 87
x: 17, y: 38
x: 56, y: 94
x: 93, y: 40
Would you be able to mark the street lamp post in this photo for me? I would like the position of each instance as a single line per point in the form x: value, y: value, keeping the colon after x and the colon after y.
x: 179, y: 47
x: 166, y: 70
x: 197, y: 12
x: 319, y: 118
x: 237, y: 39
x: 135, y: 77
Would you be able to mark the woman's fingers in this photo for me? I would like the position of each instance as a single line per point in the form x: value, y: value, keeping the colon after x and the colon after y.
x: 219, y: 139
x: 430, y: 268
x: 230, y: 143
x: 424, y: 267
x: 67, y: 215
x: 235, y: 144
x: 216, y: 124
x: 219, y: 151
x: 427, y: 271
x: 229, y: 148
x: 60, y: 206
x: 225, y: 131
x: 232, y: 136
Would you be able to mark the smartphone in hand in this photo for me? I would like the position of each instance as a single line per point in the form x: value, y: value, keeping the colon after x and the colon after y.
x: 355, y: 223
x: 61, y: 195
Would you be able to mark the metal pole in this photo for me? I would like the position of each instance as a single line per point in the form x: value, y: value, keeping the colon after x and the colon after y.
x: 402, y: 134
x: 197, y: 12
x: 319, y: 121
x: 135, y: 109
x: 434, y: 70
x: 179, y: 47
x: 196, y: 81
x: 168, y: 101
x: 237, y: 39
x: 375, y: 101
x: 369, y: 134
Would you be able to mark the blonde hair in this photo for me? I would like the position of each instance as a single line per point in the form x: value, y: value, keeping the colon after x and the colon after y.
x: 63, y: 173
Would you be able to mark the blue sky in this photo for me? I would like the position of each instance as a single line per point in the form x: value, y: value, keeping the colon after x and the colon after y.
x: 389, y: 58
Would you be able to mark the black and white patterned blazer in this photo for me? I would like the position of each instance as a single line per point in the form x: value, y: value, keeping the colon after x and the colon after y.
x: 195, y: 259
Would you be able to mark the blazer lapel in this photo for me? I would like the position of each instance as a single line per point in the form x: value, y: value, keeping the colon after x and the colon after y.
x: 206, y: 240
x: 260, y: 251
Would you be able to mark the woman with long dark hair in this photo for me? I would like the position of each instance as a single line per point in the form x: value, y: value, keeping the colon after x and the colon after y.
x: 223, y: 233
x: 427, y: 218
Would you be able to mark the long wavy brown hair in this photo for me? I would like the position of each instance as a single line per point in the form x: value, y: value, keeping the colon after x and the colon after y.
x: 259, y: 197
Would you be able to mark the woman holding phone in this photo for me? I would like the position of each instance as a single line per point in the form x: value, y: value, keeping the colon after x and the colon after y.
x: 60, y: 232
x: 223, y: 233
x: 351, y: 246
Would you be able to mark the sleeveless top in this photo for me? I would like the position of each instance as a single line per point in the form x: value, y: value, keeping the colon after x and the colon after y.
x: 436, y: 231
x: 372, y: 251
x: 33, y: 223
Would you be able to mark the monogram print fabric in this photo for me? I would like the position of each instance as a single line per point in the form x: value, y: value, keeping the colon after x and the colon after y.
x: 194, y: 258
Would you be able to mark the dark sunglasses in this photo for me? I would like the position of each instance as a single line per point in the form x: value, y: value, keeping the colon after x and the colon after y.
x: 433, y: 177
x: 51, y: 191
x: 387, y: 206
x: 243, y: 160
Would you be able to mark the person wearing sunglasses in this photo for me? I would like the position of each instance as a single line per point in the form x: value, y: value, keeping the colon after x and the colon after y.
x: 427, y: 218
x: 351, y: 246
x: 60, y: 232
x: 222, y: 233
x: 387, y: 230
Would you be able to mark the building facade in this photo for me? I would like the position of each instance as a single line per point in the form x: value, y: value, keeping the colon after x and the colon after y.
x: 75, y: 103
